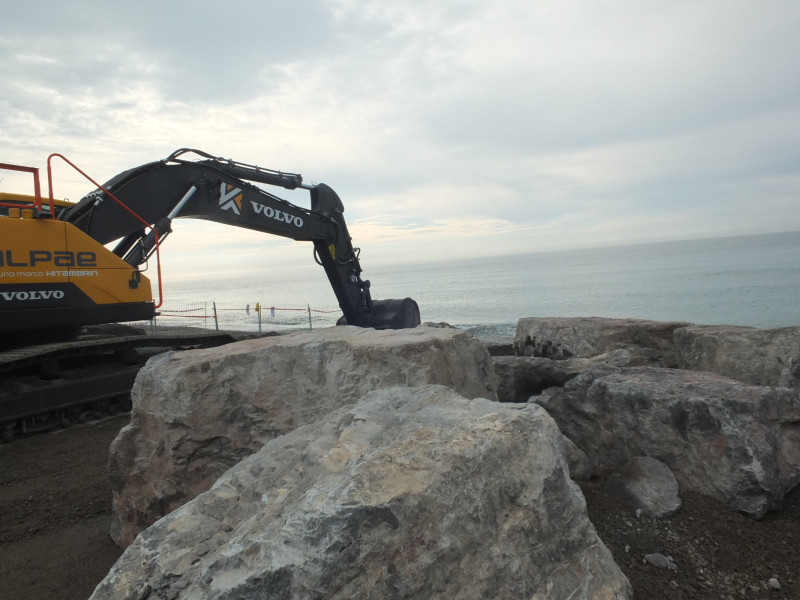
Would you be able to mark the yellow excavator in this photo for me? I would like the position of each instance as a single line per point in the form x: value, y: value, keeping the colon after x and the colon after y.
x: 65, y: 267
x: 56, y: 272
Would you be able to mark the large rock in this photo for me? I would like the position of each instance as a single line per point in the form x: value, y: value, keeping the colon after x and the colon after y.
x: 520, y: 377
x: 197, y: 413
x: 725, y: 439
x: 583, y: 337
x: 410, y: 493
x: 757, y: 356
x: 648, y: 485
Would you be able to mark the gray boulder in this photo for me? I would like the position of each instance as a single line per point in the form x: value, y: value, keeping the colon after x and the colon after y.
x: 756, y: 356
x: 583, y: 337
x: 648, y: 485
x: 580, y: 469
x: 409, y: 493
x: 725, y: 439
x: 197, y: 413
x: 520, y: 377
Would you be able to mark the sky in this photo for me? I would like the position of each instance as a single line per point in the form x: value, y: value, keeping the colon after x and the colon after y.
x: 450, y: 129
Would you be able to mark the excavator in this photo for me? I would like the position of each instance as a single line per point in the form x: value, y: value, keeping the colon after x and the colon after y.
x: 67, y: 269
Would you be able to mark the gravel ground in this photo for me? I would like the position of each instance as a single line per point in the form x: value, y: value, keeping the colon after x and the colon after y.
x: 718, y: 553
x: 55, y: 511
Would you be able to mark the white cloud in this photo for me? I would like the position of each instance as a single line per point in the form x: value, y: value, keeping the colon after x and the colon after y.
x: 449, y: 129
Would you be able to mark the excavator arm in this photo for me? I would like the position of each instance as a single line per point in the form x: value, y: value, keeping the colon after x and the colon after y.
x: 224, y: 191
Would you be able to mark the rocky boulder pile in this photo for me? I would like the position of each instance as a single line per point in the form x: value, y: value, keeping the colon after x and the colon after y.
x: 734, y: 442
x: 408, y: 493
x: 718, y: 406
x: 198, y: 413
x: 357, y: 463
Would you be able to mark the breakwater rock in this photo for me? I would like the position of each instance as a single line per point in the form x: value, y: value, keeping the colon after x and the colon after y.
x: 769, y: 357
x: 585, y: 337
x: 735, y: 442
x: 408, y: 493
x: 725, y: 423
x: 196, y: 414
x: 357, y: 463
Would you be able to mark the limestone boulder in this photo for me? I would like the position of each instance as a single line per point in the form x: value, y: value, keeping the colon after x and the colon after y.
x: 520, y: 377
x: 408, y: 493
x: 584, y: 337
x: 197, y: 413
x: 723, y: 438
x: 580, y: 468
x: 757, y: 356
x: 648, y: 485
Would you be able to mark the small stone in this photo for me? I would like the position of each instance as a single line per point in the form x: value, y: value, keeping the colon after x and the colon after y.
x: 673, y: 584
x: 660, y: 561
x: 774, y: 584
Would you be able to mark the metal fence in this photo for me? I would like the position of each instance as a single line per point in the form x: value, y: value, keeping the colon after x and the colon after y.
x: 245, y: 317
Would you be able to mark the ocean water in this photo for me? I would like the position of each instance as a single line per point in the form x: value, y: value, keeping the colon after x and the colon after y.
x: 746, y: 280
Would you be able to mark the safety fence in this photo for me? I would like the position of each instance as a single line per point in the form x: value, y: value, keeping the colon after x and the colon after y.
x: 256, y: 317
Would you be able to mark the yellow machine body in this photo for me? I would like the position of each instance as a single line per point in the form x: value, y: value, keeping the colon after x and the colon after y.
x: 53, y: 276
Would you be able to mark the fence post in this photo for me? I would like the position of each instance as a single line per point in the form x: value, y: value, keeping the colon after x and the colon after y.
x: 309, y: 316
x: 216, y: 322
x: 258, y: 310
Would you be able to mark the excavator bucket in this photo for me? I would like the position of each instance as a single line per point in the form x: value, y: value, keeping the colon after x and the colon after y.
x: 395, y: 314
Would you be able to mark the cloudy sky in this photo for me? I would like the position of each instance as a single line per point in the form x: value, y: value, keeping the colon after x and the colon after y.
x: 450, y: 129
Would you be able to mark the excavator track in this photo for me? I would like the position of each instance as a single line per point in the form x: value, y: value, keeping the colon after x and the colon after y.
x: 52, y: 384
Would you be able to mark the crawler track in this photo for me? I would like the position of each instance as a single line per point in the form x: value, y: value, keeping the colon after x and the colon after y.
x: 52, y: 384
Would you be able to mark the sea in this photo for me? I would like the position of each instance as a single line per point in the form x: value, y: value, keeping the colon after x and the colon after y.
x: 749, y: 280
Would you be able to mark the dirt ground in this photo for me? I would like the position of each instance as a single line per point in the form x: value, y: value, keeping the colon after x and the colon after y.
x: 55, y: 511
x: 718, y: 553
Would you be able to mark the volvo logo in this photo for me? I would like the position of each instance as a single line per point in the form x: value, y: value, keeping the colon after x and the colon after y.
x: 278, y: 215
x: 230, y: 198
x: 33, y: 295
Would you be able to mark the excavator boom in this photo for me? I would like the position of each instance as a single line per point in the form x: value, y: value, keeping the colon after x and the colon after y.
x: 135, y: 209
x: 224, y: 191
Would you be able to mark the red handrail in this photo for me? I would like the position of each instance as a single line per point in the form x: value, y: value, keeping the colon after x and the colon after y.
x: 118, y: 201
x: 36, y: 187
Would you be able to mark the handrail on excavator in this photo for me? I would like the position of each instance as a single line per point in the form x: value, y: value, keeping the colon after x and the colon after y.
x: 36, y: 187
x: 115, y: 199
